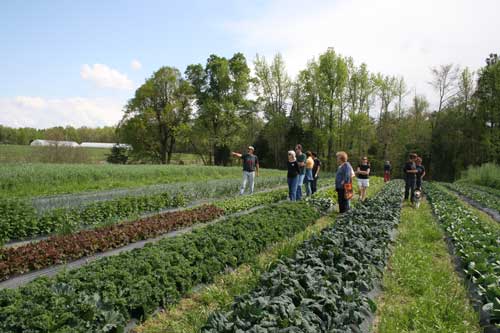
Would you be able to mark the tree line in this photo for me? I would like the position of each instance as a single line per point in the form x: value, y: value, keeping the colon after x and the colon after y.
x: 333, y: 104
x: 24, y: 135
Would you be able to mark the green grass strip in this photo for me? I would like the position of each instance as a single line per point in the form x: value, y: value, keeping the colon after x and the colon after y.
x: 422, y: 293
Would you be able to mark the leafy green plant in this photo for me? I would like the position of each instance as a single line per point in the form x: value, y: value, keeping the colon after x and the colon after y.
x: 483, y: 198
x: 323, y: 288
x: 476, y: 243
x: 104, y: 295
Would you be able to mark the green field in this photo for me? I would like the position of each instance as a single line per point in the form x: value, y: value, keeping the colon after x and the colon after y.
x: 26, y: 180
x: 29, y: 154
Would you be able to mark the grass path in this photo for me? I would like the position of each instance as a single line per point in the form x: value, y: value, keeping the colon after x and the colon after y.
x: 422, y: 292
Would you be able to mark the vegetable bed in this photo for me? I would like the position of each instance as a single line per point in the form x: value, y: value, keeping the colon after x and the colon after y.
x: 323, y: 288
x: 476, y: 243
x: 19, y: 219
x: 485, y: 199
x: 104, y: 295
x: 65, y: 248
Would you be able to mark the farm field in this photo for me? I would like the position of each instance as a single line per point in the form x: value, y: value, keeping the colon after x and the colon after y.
x: 242, y: 250
x: 192, y: 311
x: 30, y: 154
x: 28, y: 180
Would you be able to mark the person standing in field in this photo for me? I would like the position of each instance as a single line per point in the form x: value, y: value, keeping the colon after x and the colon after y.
x: 309, y: 173
x: 250, y: 168
x: 301, y: 159
x: 420, y: 172
x: 342, y: 178
x: 292, y: 175
x: 387, y: 171
x: 315, y: 171
x: 363, y: 175
x: 410, y: 172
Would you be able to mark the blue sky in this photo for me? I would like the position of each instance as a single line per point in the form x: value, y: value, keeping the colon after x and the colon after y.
x: 70, y: 62
x: 48, y: 41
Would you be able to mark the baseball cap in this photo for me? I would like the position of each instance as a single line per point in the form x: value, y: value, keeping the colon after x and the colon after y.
x: 251, y: 147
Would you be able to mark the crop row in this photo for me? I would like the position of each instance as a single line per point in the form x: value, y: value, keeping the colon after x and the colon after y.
x: 490, y: 190
x: 19, y: 219
x: 104, y: 295
x: 64, y: 248
x: 323, y: 288
x: 193, y: 190
x: 485, y: 199
x: 476, y: 243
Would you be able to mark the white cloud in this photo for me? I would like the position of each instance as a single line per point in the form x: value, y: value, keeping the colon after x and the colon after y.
x: 30, y: 102
x: 136, y: 65
x: 38, y: 112
x: 391, y: 36
x: 106, y: 77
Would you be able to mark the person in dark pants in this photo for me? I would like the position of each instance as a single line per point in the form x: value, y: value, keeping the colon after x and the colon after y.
x: 342, y: 177
x: 387, y: 171
x: 410, y: 172
x: 292, y: 175
x: 316, y: 169
x: 420, y: 172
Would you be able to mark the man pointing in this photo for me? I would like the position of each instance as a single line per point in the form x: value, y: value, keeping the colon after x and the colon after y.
x: 250, y: 168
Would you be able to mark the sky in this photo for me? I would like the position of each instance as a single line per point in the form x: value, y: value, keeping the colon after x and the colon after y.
x: 78, y: 62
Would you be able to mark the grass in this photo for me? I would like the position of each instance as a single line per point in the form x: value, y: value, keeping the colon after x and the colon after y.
x: 422, y: 292
x: 486, y: 175
x: 27, y: 180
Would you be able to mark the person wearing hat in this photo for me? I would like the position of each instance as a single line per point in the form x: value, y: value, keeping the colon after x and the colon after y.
x: 250, y: 168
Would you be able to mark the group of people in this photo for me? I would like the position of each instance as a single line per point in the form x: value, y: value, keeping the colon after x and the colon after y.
x: 414, y: 172
x: 304, y: 168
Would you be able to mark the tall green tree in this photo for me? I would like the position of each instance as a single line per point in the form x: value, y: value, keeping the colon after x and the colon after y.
x: 273, y: 88
x: 333, y: 78
x: 488, y: 94
x: 221, y: 88
x: 154, y: 117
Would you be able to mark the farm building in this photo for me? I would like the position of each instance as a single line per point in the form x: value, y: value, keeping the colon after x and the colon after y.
x: 103, y: 145
x: 97, y: 145
x: 45, y: 143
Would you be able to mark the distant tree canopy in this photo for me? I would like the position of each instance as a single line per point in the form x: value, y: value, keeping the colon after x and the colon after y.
x: 24, y: 135
x: 157, y: 115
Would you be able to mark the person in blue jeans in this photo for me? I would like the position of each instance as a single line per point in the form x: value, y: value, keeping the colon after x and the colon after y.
x: 309, y: 173
x: 301, y: 159
x: 292, y: 175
